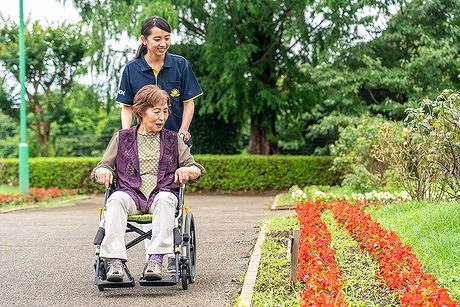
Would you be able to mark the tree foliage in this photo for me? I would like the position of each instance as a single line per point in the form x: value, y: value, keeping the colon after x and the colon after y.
x: 253, y: 50
x: 416, y: 56
x: 54, y: 58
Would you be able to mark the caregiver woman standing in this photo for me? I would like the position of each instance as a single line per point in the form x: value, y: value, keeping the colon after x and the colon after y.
x: 172, y: 73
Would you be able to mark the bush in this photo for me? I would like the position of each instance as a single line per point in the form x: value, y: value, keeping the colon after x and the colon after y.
x: 438, y: 122
x: 425, y: 155
x: 224, y: 173
x: 354, y: 157
x: 71, y: 173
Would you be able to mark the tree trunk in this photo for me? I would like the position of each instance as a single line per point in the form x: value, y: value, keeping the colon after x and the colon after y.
x: 42, y: 133
x: 43, y: 140
x: 258, y: 141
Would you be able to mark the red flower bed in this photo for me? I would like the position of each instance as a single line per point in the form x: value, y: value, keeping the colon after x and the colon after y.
x: 400, y: 269
x: 35, y: 195
x: 317, y: 265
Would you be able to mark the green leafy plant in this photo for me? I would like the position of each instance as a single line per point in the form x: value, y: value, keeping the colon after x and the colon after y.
x: 425, y: 155
x: 224, y: 173
x: 354, y: 157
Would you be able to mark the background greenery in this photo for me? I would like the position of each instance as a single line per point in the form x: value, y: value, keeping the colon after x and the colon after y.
x: 224, y: 173
x: 280, y: 77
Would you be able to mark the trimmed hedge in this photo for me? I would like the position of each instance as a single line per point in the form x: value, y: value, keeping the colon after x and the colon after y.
x: 224, y: 172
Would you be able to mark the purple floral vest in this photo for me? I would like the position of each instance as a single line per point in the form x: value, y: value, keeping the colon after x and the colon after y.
x: 128, y: 170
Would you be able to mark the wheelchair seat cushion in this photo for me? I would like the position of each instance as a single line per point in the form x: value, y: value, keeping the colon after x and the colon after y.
x: 140, y: 218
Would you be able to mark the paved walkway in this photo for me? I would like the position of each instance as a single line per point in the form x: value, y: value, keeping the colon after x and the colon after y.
x: 47, y: 256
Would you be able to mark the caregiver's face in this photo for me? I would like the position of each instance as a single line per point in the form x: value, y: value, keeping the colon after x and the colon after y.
x: 154, y: 118
x: 157, y: 42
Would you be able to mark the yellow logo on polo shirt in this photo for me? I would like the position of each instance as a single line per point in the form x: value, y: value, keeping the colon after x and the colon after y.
x: 175, y: 92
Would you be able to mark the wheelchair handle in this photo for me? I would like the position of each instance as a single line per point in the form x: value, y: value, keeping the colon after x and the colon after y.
x: 180, y: 203
x: 182, y: 137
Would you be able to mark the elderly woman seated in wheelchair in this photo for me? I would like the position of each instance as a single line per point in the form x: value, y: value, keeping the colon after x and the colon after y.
x: 145, y: 168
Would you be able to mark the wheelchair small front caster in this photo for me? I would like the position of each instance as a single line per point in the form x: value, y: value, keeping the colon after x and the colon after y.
x: 184, y: 277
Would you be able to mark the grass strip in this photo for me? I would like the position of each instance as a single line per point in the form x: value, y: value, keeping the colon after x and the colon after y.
x: 284, y: 200
x: 8, y: 189
x: 433, y: 232
x: 273, y: 287
x: 64, y: 201
x: 358, y: 270
x: 399, y: 267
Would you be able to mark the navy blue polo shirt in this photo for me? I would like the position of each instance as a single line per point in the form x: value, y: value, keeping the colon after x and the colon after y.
x: 175, y: 77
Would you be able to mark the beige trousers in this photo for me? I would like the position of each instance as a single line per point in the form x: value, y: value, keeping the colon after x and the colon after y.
x: 119, y: 206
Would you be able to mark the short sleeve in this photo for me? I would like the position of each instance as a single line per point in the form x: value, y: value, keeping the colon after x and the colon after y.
x: 125, y: 92
x: 190, y: 86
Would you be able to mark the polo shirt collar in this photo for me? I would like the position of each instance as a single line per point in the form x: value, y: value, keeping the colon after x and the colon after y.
x: 168, y: 60
x: 146, y: 67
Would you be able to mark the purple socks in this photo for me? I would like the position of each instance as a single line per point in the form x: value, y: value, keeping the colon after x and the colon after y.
x: 157, y: 257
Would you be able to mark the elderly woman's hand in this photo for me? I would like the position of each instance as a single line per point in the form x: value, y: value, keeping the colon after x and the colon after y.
x: 104, y: 176
x: 182, y: 175
x: 186, y: 173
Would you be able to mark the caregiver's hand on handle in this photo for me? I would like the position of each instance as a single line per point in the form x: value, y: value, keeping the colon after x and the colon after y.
x: 184, y: 134
x: 104, y: 176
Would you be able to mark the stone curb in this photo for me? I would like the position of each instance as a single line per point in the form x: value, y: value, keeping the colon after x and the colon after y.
x: 275, y: 205
x: 280, y: 208
x: 251, y: 274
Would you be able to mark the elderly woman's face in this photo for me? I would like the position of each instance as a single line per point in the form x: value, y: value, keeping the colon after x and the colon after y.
x: 154, y: 118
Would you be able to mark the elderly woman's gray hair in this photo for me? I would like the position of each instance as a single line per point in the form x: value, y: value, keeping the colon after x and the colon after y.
x: 149, y: 96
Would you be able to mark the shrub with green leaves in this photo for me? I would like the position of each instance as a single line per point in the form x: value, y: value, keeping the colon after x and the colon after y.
x: 438, y: 122
x: 224, y: 173
x: 354, y: 157
x: 425, y: 155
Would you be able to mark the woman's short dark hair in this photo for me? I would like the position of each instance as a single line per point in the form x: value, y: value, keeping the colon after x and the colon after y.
x: 149, y: 96
x: 149, y: 23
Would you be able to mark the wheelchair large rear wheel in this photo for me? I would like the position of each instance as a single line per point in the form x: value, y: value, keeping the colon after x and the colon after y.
x: 191, y: 247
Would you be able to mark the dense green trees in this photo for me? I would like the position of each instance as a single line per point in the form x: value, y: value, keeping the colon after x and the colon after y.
x: 54, y: 58
x: 253, y: 50
x: 416, y: 56
x: 278, y: 76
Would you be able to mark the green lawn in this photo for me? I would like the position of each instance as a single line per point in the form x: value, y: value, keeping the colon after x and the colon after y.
x: 433, y: 231
x: 8, y: 189
x: 284, y: 200
x: 63, y: 201
x: 272, y: 285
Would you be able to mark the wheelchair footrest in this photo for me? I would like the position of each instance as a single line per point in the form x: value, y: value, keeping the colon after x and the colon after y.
x: 165, y: 281
x: 115, y: 284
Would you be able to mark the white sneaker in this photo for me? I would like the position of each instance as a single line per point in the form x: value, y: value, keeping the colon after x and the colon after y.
x: 153, y: 270
x: 115, y: 271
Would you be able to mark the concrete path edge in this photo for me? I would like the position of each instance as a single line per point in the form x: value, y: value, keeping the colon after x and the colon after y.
x: 251, y: 274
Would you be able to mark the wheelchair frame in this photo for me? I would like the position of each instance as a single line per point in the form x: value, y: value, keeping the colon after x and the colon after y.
x: 184, y: 250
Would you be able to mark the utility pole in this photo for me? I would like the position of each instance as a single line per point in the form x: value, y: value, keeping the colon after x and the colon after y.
x: 23, y: 147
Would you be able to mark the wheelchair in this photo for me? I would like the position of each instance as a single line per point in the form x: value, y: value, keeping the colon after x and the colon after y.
x: 184, y: 248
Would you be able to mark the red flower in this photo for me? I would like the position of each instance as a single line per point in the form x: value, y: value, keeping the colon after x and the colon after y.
x: 317, y: 265
x: 35, y: 195
x: 399, y: 268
